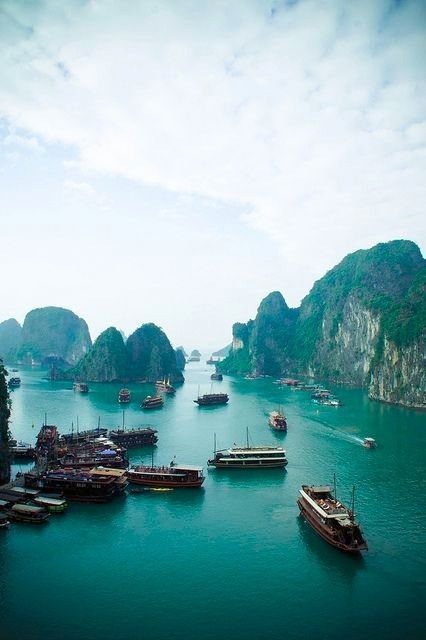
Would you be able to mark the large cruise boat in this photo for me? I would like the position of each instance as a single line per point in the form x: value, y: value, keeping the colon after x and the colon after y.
x: 209, y: 399
x: 248, y: 457
x: 331, y: 519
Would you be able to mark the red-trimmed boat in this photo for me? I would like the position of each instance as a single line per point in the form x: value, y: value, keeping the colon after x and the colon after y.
x: 334, y: 522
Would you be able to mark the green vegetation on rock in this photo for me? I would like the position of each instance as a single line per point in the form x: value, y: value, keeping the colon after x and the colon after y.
x: 369, y: 308
x: 151, y: 355
x: 53, y: 332
x: 10, y: 339
x: 107, y: 361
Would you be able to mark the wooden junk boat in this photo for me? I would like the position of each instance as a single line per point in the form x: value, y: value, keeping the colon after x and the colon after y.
x: 83, y: 436
x: 164, y: 386
x: 136, y: 437
x: 334, y: 522
x: 47, y: 441
x: 152, y: 402
x: 94, y: 485
x: 27, y: 513
x: 175, y: 476
x: 216, y: 376
x: 210, y: 399
x: 14, y: 383
x: 124, y: 396
x: 248, y: 457
x: 277, y: 421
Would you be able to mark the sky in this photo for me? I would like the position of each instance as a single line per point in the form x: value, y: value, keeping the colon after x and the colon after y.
x: 174, y: 162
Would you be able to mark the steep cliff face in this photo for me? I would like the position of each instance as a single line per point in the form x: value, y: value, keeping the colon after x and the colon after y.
x: 53, y: 332
x: 272, y: 334
x: 4, y: 428
x: 106, y: 361
x: 262, y: 346
x: 362, y: 323
x: 10, y: 339
x: 151, y: 355
x: 180, y: 358
x: 400, y: 376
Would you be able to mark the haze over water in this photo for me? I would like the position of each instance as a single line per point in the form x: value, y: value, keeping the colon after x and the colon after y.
x: 233, y: 559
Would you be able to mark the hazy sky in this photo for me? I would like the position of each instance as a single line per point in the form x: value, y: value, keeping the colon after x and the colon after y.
x: 174, y: 161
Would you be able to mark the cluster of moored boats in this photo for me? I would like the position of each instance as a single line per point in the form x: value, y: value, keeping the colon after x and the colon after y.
x: 93, y: 466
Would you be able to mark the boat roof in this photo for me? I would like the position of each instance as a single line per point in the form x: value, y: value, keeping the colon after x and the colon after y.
x: 187, y: 467
x: 369, y: 440
x: 257, y: 450
x: 27, y: 507
x: 157, y: 473
x: 23, y: 491
x: 3, y: 503
x: 51, y: 501
x: 102, y: 471
x: 324, y: 488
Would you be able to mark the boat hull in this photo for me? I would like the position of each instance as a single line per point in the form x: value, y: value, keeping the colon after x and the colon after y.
x: 240, y: 464
x: 325, y: 534
x: 166, y: 484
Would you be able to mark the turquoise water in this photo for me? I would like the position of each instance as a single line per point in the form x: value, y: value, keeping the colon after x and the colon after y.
x: 234, y: 559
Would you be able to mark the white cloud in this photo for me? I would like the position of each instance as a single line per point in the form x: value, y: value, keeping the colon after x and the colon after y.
x: 310, y: 117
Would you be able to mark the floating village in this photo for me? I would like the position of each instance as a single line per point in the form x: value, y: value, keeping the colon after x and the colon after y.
x: 93, y: 465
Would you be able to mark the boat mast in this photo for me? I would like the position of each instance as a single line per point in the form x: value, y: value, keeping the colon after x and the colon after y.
x: 247, y: 435
x: 353, y: 503
x: 123, y: 419
x: 99, y: 424
x: 45, y: 419
x: 152, y: 457
x: 335, y: 493
x: 214, y: 445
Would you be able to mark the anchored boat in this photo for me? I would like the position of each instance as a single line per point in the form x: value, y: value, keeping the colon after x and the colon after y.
x: 152, y: 402
x: 248, y: 457
x: 277, y: 421
x: 124, y: 396
x: 174, y: 476
x: 209, y: 399
x: 331, y: 519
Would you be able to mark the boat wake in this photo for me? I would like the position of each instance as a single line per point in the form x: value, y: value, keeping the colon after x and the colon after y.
x: 336, y: 432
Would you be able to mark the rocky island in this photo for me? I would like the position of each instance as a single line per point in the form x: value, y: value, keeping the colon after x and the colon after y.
x: 146, y: 355
x: 363, y: 323
x: 53, y: 334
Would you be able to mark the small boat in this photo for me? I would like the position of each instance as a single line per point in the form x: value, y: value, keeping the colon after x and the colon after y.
x: 14, y: 383
x: 124, y: 396
x: 81, y: 387
x: 277, y: 421
x: 334, y: 522
x: 4, y: 522
x: 175, y: 476
x: 164, y: 386
x: 216, y: 376
x: 248, y: 457
x: 152, y: 402
x: 209, y: 399
x: 28, y: 513
x: 53, y: 505
x: 369, y: 443
x: 22, y: 451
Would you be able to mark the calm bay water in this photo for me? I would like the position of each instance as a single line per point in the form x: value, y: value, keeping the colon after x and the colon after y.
x: 233, y: 559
